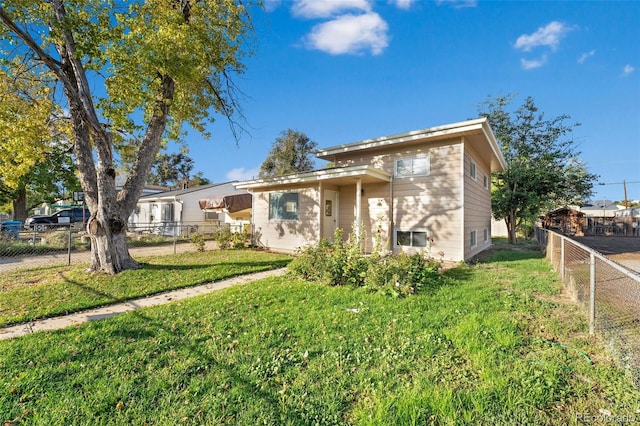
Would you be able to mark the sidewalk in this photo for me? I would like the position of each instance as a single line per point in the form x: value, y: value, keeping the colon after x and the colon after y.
x: 109, y: 311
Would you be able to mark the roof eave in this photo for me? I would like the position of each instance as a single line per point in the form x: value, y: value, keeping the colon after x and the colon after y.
x: 448, y: 130
x: 315, y: 176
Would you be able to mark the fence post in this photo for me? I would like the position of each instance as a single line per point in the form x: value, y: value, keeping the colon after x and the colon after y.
x: 175, y: 237
x: 562, y: 258
x: 592, y: 294
x: 69, y: 247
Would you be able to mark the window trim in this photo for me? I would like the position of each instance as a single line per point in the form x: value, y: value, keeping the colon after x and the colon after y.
x: 284, y: 219
x: 427, y: 159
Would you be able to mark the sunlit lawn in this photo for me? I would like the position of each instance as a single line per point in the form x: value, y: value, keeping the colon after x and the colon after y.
x: 494, y: 343
x: 45, y: 292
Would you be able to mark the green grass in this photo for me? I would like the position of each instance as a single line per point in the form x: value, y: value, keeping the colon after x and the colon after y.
x: 46, y: 292
x: 494, y: 344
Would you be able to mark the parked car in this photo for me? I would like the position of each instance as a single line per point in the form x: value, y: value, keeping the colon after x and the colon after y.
x: 65, y: 217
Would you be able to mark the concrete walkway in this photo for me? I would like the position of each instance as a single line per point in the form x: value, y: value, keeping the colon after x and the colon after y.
x: 109, y: 311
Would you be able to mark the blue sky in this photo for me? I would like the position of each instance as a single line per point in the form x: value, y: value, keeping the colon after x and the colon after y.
x: 345, y: 70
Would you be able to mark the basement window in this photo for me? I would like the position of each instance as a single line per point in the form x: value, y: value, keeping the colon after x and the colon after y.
x: 411, y: 238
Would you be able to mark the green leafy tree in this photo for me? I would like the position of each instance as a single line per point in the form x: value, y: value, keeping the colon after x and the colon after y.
x: 199, y: 179
x: 35, y: 165
x: 291, y: 153
x: 543, y: 167
x: 131, y: 73
x: 48, y: 181
x: 171, y: 169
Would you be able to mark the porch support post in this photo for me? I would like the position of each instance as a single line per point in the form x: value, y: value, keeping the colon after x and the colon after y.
x: 358, y: 208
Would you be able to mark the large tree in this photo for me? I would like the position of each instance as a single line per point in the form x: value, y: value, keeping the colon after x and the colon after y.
x: 543, y: 167
x: 130, y: 72
x: 290, y: 153
x: 35, y: 165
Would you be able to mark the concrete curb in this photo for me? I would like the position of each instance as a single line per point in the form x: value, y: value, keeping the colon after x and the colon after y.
x: 57, y: 323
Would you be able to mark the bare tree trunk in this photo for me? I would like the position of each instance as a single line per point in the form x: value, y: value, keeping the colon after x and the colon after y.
x: 512, y: 227
x: 20, y: 205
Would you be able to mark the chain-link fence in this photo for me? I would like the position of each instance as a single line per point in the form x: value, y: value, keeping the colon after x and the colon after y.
x: 609, y: 291
x: 29, y: 247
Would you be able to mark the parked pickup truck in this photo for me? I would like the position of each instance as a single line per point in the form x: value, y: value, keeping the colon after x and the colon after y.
x: 65, y: 217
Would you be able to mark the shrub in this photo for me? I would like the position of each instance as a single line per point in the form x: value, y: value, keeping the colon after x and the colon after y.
x: 224, y: 238
x: 343, y: 263
x: 402, y: 274
x: 227, y: 239
x: 198, y: 241
x: 239, y: 240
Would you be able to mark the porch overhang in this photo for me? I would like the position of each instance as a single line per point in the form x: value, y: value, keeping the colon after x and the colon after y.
x: 338, y: 176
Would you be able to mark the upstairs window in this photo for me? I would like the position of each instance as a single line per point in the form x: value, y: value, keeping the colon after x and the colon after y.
x: 472, y: 170
x: 283, y: 206
x: 416, y: 166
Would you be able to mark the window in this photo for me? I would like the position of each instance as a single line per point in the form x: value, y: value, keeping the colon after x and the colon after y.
x: 210, y: 216
x: 474, y: 239
x: 486, y: 235
x: 283, y: 206
x: 485, y: 181
x: 417, y: 166
x: 411, y: 238
x: 472, y: 170
x: 167, y: 212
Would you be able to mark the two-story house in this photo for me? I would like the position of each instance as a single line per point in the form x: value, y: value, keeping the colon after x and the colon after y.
x: 426, y: 190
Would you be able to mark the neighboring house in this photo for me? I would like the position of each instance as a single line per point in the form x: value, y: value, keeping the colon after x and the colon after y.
x: 426, y: 190
x: 167, y: 212
x: 566, y: 220
x: 600, y: 208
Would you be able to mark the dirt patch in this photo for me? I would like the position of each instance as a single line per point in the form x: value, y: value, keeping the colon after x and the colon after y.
x: 623, y: 250
x: 629, y: 246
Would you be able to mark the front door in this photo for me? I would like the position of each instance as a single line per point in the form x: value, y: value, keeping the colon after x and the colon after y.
x: 330, y: 214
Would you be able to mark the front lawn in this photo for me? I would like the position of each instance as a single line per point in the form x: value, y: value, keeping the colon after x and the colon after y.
x: 46, y: 292
x: 494, y: 343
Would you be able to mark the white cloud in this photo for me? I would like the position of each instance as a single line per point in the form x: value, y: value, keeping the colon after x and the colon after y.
x: 534, y: 63
x: 545, y: 36
x: 241, y: 173
x: 350, y: 34
x: 271, y: 5
x: 627, y: 70
x: 457, y: 4
x: 403, y: 4
x: 327, y: 8
x: 586, y: 56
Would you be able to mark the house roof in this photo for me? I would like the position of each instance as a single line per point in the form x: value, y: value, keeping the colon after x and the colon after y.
x: 338, y: 175
x: 178, y: 192
x: 477, y: 132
